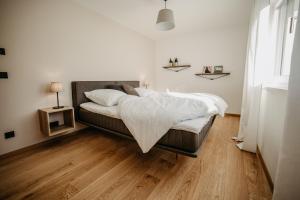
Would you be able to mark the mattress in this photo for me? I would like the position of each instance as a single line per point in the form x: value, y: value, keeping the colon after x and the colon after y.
x: 178, y: 139
x: 194, y: 125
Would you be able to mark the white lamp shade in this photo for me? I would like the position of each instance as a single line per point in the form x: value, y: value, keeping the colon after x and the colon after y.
x: 165, y: 20
x: 56, y: 87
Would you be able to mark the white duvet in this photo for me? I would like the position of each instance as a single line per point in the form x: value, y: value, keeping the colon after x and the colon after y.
x: 193, y: 126
x: 149, y: 118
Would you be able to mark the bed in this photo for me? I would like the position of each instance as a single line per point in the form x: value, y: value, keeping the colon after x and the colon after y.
x: 178, y: 141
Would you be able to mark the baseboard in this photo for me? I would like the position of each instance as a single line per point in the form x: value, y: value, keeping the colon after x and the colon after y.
x: 232, y: 114
x: 265, y: 169
x: 78, y: 128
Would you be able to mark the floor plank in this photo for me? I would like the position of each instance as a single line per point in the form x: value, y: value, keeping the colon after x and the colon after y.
x: 95, y: 165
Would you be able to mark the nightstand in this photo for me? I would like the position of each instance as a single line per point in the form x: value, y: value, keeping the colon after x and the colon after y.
x: 66, y: 122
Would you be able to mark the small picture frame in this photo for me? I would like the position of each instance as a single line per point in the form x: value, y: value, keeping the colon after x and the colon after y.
x: 218, y: 69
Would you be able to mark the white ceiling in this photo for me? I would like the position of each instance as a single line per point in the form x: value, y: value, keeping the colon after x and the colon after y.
x: 190, y: 15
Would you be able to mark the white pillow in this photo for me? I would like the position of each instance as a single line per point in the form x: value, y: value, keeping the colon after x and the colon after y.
x: 143, y: 92
x: 105, y: 97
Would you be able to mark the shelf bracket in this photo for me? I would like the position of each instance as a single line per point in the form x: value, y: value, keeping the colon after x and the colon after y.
x: 217, y: 75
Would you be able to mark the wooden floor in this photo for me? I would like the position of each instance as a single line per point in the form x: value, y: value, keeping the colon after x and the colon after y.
x: 93, y: 165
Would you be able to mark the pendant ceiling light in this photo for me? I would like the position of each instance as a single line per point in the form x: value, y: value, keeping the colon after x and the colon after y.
x: 165, y: 19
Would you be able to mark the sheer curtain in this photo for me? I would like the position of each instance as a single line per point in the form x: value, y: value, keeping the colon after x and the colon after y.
x: 258, y: 70
x: 287, y: 181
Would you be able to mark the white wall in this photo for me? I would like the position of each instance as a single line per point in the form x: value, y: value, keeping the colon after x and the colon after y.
x: 225, y: 47
x: 58, y: 40
x: 271, y: 125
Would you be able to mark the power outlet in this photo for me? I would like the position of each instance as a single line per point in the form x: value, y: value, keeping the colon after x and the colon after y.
x: 2, y: 51
x: 3, y: 75
x: 9, y: 134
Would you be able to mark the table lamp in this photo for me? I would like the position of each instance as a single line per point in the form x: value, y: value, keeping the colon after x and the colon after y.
x: 56, y: 87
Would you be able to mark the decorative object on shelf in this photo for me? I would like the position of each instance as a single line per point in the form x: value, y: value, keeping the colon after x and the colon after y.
x: 213, y: 76
x: 56, y: 87
x: 176, y: 61
x: 165, y: 19
x: 207, y: 69
x: 218, y: 69
x: 177, y: 68
x: 171, y: 62
x: 2, y: 51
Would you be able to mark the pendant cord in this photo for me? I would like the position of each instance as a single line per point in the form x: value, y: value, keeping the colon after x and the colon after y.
x: 165, y: 4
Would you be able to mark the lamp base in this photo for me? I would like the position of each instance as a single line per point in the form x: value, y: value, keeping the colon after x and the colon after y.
x: 57, y: 107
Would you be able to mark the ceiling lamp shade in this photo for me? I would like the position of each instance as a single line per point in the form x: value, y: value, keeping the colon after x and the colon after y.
x: 165, y: 19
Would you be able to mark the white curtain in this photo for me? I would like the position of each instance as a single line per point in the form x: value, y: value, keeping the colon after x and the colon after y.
x: 287, y: 181
x: 258, y: 70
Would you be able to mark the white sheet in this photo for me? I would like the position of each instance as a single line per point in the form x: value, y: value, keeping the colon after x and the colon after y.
x: 216, y: 104
x: 149, y: 118
x: 110, y: 111
x: 193, y: 126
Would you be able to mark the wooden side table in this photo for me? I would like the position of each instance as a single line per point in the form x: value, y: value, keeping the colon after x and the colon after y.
x: 67, y: 115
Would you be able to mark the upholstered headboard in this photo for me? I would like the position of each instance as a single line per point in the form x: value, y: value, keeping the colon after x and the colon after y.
x: 79, y: 87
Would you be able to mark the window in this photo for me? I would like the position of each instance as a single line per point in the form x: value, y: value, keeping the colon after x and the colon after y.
x: 289, y: 35
x: 287, y: 15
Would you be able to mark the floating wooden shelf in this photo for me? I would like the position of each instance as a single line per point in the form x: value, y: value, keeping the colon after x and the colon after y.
x: 68, y: 118
x: 213, y: 76
x: 177, y: 68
